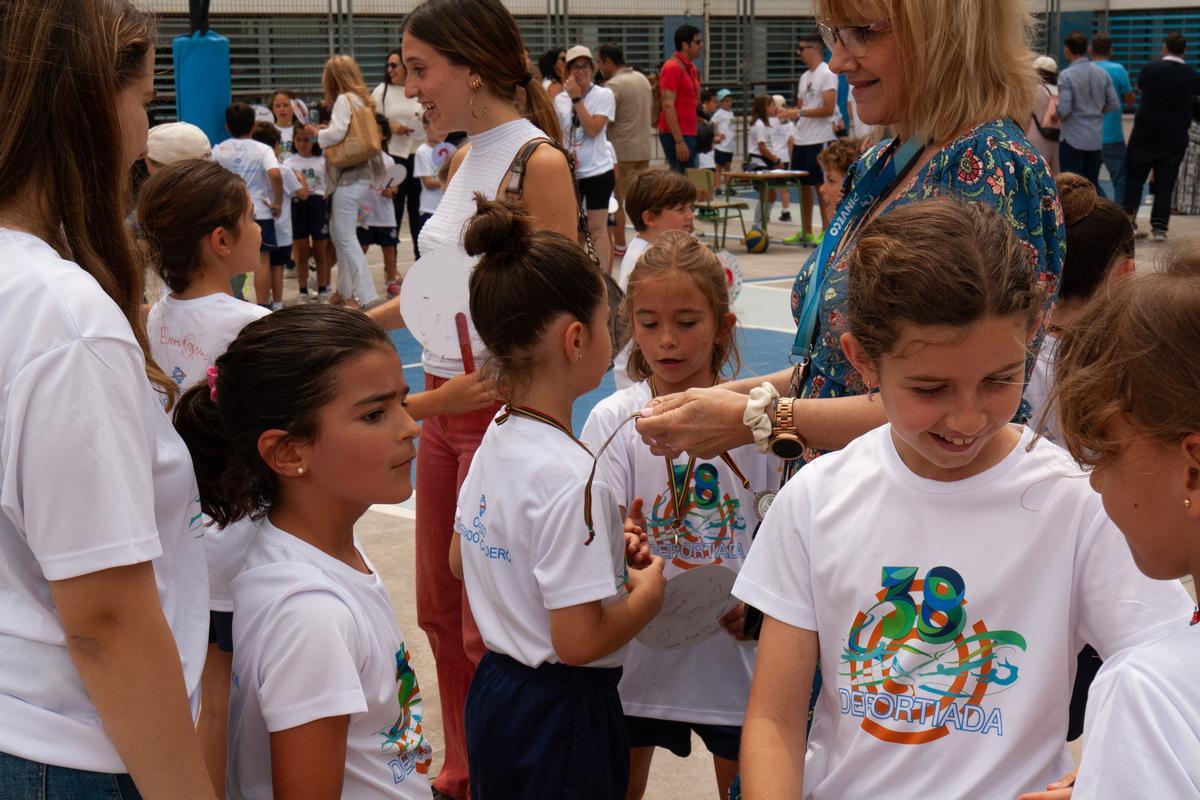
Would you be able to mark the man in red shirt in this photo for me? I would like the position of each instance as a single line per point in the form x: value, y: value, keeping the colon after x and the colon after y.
x: 679, y: 84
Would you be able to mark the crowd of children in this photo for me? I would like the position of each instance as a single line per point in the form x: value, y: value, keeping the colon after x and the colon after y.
x: 927, y: 587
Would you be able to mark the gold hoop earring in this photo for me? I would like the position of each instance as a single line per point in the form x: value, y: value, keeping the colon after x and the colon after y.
x: 481, y: 115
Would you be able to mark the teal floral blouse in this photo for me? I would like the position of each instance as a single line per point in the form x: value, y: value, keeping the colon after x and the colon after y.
x: 994, y: 164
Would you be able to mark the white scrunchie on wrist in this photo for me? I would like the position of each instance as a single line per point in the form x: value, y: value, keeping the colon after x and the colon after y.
x: 756, y: 417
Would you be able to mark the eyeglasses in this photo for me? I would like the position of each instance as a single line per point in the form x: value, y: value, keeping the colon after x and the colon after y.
x: 392, y: 65
x: 852, y: 37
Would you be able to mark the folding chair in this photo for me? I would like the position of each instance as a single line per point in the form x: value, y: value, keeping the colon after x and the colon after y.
x: 720, y: 210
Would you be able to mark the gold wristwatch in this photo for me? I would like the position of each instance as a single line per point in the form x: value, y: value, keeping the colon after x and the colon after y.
x: 784, y: 441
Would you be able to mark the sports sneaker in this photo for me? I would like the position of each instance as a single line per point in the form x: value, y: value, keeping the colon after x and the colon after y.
x: 814, y: 239
x: 302, y: 298
x: 1158, y: 235
x: 785, y: 216
x: 324, y: 295
x: 796, y: 238
x: 393, y: 288
x: 276, y: 306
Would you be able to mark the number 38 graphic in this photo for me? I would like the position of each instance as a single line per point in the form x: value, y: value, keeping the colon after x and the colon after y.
x: 941, y: 617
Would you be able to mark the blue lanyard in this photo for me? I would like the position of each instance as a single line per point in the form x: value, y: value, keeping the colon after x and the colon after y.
x: 891, y: 164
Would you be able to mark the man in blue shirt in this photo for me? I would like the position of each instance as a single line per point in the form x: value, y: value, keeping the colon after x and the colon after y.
x: 1113, y: 150
x: 1085, y: 95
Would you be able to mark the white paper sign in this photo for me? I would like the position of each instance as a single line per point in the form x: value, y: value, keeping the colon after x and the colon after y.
x: 692, y: 608
x: 434, y: 290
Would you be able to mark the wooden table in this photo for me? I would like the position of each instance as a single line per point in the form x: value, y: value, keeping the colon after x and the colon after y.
x: 763, y: 180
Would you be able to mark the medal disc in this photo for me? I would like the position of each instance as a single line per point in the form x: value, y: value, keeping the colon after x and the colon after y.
x: 762, y: 502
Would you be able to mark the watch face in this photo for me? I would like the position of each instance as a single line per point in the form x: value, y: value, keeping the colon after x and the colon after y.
x: 762, y: 502
x: 786, y: 446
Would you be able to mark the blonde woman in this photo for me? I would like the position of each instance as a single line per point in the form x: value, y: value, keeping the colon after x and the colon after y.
x: 347, y: 189
x: 954, y: 79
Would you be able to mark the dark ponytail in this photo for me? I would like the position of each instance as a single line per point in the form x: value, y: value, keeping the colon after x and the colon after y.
x: 276, y: 375
x: 524, y: 280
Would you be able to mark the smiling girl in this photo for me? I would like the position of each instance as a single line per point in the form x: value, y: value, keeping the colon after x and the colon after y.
x: 945, y: 568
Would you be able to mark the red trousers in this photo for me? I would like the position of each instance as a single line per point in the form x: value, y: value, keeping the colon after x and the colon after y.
x: 446, y: 446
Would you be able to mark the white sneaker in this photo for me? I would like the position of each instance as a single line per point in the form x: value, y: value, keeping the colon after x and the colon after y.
x: 323, y: 296
x: 276, y: 306
x: 302, y: 298
x: 1158, y: 235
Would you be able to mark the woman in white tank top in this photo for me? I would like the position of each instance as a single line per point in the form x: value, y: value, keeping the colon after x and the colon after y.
x: 466, y: 64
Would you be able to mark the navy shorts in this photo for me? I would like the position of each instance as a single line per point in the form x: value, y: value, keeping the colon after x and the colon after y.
x: 267, y: 226
x: 597, y: 190
x: 220, y: 630
x: 721, y: 740
x: 722, y: 158
x: 552, y: 732
x: 804, y: 156
x: 280, y: 257
x: 384, y: 237
x: 308, y: 218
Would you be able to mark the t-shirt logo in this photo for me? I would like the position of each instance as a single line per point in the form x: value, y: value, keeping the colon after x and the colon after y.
x: 915, y: 671
x: 404, y: 740
x: 711, y: 521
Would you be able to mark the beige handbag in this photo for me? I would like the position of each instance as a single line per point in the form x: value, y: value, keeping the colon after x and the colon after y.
x: 361, y: 143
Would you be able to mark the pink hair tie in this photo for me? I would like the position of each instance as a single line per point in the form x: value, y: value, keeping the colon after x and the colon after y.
x: 212, y: 382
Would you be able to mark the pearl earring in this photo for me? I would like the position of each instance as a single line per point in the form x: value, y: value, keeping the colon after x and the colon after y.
x: 300, y: 470
x: 1187, y: 502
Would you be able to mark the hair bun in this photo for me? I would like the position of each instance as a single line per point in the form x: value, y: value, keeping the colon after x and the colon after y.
x: 498, y: 227
x: 1077, y: 195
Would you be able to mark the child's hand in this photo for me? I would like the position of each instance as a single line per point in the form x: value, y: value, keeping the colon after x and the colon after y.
x: 635, y: 519
x: 1059, y: 790
x: 465, y: 393
x: 732, y: 621
x: 390, y: 192
x: 649, y: 584
x: 637, y: 553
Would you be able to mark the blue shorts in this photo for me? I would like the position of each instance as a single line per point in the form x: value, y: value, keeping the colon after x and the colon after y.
x: 552, y: 732
x: 721, y: 740
x: 722, y: 158
x: 384, y: 237
x: 308, y: 218
x: 280, y: 257
x: 804, y: 156
x: 267, y: 226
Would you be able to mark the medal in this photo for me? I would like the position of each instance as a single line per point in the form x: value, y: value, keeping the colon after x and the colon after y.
x: 762, y: 503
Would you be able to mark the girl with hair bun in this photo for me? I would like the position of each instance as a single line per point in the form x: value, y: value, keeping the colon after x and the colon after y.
x: 302, y: 425
x: 1100, y: 248
x: 466, y: 64
x: 540, y: 545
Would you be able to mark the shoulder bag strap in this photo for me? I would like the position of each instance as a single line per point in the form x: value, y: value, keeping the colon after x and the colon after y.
x: 514, y: 188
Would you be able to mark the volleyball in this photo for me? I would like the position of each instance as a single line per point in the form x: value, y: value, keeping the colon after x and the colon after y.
x: 757, y: 240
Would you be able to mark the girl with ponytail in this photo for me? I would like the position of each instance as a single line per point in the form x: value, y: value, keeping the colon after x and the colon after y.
x: 301, y: 426
x: 466, y: 65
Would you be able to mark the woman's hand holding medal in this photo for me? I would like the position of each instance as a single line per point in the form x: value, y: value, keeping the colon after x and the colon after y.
x: 701, y: 422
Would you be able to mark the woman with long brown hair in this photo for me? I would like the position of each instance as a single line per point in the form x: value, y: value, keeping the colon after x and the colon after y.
x: 466, y: 64
x: 407, y: 134
x: 347, y: 189
x: 102, y: 567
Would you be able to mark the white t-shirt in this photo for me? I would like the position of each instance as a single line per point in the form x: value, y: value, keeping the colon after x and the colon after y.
x: 722, y: 121
x: 380, y: 211
x: 760, y: 133
x: 781, y: 140
x: 521, y: 518
x: 92, y: 476
x: 313, y: 170
x: 810, y: 93
x: 283, y: 224
x: 423, y: 167
x: 251, y: 161
x: 1022, y: 567
x: 1142, y: 734
x: 1037, y: 391
x: 637, y: 246
x: 315, y: 638
x: 186, y: 337
x: 286, y: 137
x: 720, y: 520
x: 591, y: 153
